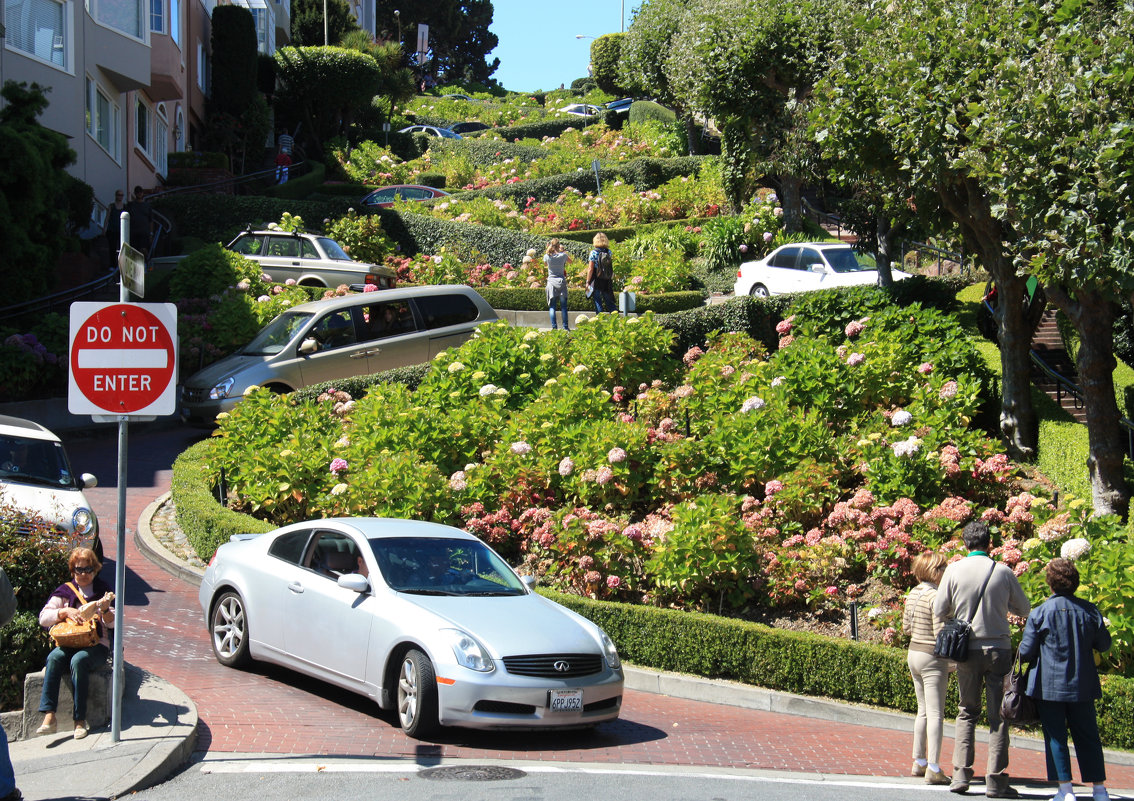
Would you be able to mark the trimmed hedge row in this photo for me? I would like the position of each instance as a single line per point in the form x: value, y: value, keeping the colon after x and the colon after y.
x: 757, y: 317
x: 485, y: 153
x: 552, y: 127
x: 206, y: 523
x: 357, y: 386
x: 536, y: 300
x: 213, y: 218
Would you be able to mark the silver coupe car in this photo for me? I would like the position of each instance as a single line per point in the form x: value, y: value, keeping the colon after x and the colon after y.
x: 423, y: 618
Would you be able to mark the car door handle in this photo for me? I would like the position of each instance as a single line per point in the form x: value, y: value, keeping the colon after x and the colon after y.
x: 295, y: 264
x: 295, y: 587
x: 361, y: 354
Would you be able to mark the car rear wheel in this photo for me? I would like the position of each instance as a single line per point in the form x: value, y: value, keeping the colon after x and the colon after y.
x: 229, y: 627
x: 417, y: 695
x: 758, y: 291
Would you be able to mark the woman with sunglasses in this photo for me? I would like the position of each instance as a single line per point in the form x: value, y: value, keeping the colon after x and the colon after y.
x: 64, y: 603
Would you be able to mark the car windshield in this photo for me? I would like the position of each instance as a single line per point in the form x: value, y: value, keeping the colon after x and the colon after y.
x: 40, y: 462
x: 276, y: 334
x: 849, y: 260
x: 443, y: 566
x: 333, y: 249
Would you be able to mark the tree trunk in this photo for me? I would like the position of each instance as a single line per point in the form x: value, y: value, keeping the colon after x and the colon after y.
x: 965, y: 201
x: 792, y: 201
x: 1093, y: 318
x: 692, y: 136
x: 886, y: 236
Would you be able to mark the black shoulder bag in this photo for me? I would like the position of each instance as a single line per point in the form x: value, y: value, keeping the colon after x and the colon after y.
x: 953, y: 639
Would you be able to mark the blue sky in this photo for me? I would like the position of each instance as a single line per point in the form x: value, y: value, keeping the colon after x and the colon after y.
x: 538, y: 48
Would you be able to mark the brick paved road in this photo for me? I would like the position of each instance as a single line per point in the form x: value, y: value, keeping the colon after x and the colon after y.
x: 275, y: 711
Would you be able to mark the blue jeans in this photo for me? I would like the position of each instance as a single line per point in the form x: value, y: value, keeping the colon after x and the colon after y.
x: 563, y: 310
x: 81, y: 662
x: 604, y: 301
x: 1078, y: 716
x: 7, y: 775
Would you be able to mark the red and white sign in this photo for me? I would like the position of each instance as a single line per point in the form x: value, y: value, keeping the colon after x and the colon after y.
x: 123, y: 359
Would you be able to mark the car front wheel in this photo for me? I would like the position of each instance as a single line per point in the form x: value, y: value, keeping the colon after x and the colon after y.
x: 229, y: 627
x: 758, y: 291
x: 417, y: 695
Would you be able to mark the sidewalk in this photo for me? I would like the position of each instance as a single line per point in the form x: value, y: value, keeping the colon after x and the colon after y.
x: 159, y: 732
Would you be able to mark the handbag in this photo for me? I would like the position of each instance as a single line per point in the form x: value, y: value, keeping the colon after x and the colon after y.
x: 75, y: 634
x: 953, y: 639
x: 1017, y: 706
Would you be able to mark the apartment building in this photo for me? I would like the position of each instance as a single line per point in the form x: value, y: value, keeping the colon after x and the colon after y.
x: 127, y: 78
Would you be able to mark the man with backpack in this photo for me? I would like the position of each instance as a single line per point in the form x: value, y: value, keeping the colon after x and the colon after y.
x: 600, y: 275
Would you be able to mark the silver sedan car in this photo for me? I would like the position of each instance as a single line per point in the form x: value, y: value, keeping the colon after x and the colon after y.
x: 425, y: 619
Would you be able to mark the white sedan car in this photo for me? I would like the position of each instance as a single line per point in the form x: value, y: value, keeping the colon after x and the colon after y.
x: 581, y: 110
x: 423, y: 618
x: 808, y: 266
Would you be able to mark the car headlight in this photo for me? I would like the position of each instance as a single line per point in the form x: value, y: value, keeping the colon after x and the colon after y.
x: 610, y: 651
x: 468, y: 652
x: 221, y: 390
x: 83, y: 521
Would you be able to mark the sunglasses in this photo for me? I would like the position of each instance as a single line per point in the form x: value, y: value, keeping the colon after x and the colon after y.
x: 82, y: 569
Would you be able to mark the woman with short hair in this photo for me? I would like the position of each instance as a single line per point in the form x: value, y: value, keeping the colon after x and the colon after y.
x: 1059, y: 642
x: 930, y: 673
x: 556, y: 258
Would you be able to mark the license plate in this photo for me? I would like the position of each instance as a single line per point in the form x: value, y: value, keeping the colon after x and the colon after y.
x: 565, y: 701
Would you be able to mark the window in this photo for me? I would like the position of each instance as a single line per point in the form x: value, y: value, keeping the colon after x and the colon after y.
x: 260, y: 18
x: 125, y: 16
x: 161, y: 145
x: 290, y: 547
x: 202, y: 67
x: 175, y: 22
x: 157, y: 16
x: 439, y: 311
x: 143, y: 125
x: 102, y: 118
x: 37, y: 27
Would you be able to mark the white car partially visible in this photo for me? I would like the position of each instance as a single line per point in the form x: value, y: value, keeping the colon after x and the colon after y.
x: 806, y: 267
x: 37, y: 484
x: 581, y: 110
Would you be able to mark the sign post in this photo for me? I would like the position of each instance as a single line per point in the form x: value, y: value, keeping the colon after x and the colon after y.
x: 122, y: 365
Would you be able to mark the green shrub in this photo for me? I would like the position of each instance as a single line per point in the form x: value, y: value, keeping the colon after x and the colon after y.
x: 219, y: 218
x: 644, y: 110
x: 209, y: 271
x: 536, y: 300
x: 358, y: 386
x: 434, y: 179
x: 193, y: 159
x: 756, y: 317
x: 206, y: 523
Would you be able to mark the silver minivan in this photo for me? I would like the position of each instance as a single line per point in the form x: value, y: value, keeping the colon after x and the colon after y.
x: 326, y: 340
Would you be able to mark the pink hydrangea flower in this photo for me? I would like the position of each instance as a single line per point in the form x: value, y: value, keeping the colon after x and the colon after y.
x: 458, y: 481
x: 785, y: 341
x: 566, y: 466
x: 666, y: 425
x: 768, y: 237
x: 616, y: 455
x: 832, y: 590
x: 855, y: 359
x: 521, y: 448
x: 603, y: 475
x: 752, y: 404
x: 339, y: 465
x: 772, y: 487
x: 613, y: 582
x: 632, y: 533
x: 854, y: 328
x: 948, y: 390
x: 783, y: 327
x: 925, y: 368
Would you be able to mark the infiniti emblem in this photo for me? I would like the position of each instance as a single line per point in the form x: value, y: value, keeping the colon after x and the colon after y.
x: 562, y: 665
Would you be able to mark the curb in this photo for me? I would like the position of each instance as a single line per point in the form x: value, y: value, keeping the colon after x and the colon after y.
x: 157, y: 553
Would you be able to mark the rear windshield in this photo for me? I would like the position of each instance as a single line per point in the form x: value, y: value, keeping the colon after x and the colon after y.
x: 439, y: 311
x: 333, y: 250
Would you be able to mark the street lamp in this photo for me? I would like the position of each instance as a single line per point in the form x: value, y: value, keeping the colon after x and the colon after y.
x: 398, y: 19
x: 326, y: 38
x: 581, y: 36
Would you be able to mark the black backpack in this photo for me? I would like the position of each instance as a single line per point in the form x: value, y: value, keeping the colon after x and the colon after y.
x: 604, y: 267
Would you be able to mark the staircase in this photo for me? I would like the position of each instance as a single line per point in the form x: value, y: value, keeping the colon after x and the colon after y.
x: 1048, y: 345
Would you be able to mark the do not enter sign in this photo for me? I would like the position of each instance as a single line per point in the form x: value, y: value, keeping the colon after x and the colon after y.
x: 123, y: 359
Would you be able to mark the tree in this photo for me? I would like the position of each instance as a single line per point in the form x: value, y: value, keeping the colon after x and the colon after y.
x: 1056, y: 138
x: 329, y: 85
x: 605, y: 54
x: 752, y: 67
x: 396, y: 82
x: 34, y: 191
x: 459, y: 38
x: 898, y: 102
x: 238, y: 121
x: 307, y: 27
x: 641, y: 64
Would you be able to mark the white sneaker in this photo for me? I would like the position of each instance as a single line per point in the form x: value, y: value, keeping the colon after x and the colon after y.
x: 1100, y: 794
x: 1062, y: 796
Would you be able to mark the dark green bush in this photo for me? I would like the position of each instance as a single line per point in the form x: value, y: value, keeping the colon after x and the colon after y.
x: 755, y: 316
x: 206, y: 523
x: 643, y: 110
x: 551, y: 126
x: 219, y: 218
x: 434, y: 179
x: 358, y: 386
x: 206, y: 272
x: 487, y: 153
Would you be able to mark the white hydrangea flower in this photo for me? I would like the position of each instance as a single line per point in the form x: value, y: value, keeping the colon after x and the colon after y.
x: 456, y: 367
x: 901, y: 418
x: 907, y: 447
x: 487, y: 390
x: 1075, y: 549
x: 752, y: 404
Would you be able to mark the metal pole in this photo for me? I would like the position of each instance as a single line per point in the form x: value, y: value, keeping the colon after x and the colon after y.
x: 120, y: 541
x: 622, y: 17
x: 326, y: 40
x: 854, y: 620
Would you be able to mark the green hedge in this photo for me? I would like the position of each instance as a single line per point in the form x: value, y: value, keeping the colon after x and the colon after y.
x: 755, y: 316
x: 524, y: 299
x: 300, y: 188
x: 191, y: 159
x: 488, y: 153
x: 646, y: 110
x: 553, y: 126
x: 206, y: 523
x: 357, y: 386
x: 214, y: 218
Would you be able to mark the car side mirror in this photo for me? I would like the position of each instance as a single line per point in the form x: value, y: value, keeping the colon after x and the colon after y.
x: 818, y: 268
x: 355, y: 582
x: 309, y: 346
x: 529, y: 581
x: 87, y: 480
